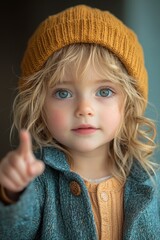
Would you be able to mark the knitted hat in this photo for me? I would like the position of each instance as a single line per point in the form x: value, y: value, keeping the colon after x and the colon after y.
x: 83, y: 24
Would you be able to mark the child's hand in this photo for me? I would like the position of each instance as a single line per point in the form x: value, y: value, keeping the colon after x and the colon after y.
x: 20, y: 167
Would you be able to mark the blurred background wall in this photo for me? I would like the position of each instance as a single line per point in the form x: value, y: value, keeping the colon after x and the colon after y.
x: 143, y: 16
x: 18, y: 20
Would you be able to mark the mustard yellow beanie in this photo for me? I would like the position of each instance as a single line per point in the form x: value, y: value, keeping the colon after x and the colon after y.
x: 83, y: 24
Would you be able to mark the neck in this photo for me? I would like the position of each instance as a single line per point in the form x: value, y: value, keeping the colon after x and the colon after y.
x: 91, y: 165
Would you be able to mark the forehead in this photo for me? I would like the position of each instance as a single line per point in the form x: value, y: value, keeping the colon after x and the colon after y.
x: 81, y: 73
x: 90, y: 64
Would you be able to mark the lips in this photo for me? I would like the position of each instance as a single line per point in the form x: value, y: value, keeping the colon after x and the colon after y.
x: 85, y: 129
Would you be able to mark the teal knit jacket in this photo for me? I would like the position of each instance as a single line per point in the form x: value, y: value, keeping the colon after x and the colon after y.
x: 48, y: 209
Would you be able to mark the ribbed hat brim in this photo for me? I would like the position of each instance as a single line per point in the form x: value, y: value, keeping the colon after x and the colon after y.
x: 82, y: 24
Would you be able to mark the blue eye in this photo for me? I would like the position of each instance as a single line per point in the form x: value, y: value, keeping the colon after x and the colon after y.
x: 104, y: 92
x: 62, y: 94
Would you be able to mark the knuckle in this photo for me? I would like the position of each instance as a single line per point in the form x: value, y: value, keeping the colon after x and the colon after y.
x: 10, y: 155
x: 14, y: 160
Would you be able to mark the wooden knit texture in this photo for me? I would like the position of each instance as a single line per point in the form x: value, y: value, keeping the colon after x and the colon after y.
x: 107, y: 205
x: 83, y: 24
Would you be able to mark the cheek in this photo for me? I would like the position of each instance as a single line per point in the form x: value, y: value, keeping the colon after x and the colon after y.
x: 111, y: 118
x: 56, y: 120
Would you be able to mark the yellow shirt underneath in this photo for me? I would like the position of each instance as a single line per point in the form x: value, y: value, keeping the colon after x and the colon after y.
x: 107, y: 205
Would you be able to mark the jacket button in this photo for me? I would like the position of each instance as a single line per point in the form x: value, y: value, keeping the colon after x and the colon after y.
x: 75, y: 188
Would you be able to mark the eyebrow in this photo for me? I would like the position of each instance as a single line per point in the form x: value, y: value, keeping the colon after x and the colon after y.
x: 103, y: 81
x: 96, y: 82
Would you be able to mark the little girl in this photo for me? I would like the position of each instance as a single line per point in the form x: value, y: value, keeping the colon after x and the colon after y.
x: 80, y: 108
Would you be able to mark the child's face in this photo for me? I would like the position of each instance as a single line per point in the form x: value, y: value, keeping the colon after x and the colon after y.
x: 84, y: 114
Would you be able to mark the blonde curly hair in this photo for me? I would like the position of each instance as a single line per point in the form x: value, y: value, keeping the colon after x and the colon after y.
x: 134, y: 139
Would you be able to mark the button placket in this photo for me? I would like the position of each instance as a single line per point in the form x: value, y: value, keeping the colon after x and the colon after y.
x: 104, y: 206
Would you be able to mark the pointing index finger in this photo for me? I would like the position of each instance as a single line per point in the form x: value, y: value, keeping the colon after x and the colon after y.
x: 25, y: 146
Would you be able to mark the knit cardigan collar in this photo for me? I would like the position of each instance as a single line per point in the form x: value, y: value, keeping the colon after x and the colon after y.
x: 57, y: 160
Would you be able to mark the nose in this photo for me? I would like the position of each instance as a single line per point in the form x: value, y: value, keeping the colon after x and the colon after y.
x: 84, y: 108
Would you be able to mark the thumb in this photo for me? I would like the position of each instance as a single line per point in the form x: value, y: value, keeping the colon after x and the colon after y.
x: 36, y: 168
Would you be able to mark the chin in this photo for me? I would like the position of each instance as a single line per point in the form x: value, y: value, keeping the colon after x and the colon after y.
x: 85, y: 148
